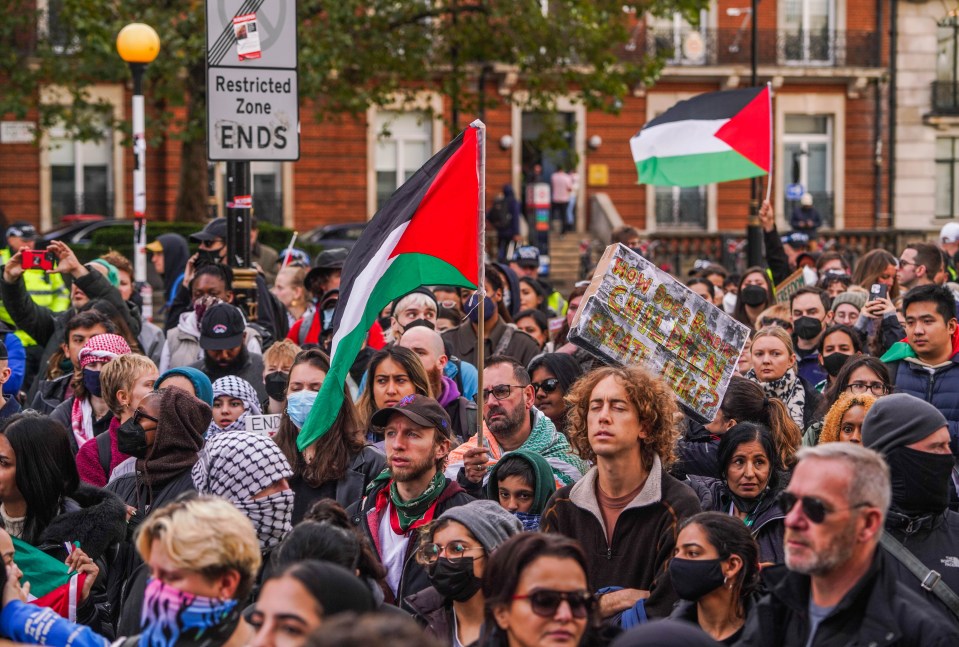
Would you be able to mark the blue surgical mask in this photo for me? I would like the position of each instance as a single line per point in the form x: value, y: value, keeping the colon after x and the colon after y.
x: 472, y: 309
x: 298, y: 406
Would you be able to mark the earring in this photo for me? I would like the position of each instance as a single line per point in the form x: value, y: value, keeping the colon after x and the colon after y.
x: 725, y: 579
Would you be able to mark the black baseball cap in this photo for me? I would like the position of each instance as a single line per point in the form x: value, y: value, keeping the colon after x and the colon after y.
x: 22, y: 230
x: 419, y: 409
x: 527, y: 256
x: 213, y: 230
x: 222, y: 327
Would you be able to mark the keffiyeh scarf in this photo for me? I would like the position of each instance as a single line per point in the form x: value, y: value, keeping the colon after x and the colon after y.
x: 99, y: 348
x: 234, y: 387
x: 789, y: 389
x: 239, y: 465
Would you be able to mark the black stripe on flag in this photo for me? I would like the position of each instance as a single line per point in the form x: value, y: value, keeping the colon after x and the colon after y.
x: 714, y: 105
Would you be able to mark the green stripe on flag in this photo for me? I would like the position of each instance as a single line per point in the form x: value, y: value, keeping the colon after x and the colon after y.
x: 406, y: 273
x: 694, y: 170
x: 44, y: 573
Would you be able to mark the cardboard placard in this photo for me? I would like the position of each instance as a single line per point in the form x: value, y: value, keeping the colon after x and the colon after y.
x: 790, y: 286
x: 267, y: 424
x: 635, y: 313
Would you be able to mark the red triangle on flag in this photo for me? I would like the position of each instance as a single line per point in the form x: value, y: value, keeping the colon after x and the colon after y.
x: 749, y: 132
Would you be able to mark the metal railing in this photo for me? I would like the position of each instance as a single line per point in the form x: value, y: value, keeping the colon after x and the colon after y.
x: 945, y: 97
x: 821, y: 48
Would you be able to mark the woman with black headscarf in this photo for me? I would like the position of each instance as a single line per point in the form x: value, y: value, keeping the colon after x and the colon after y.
x: 170, y: 253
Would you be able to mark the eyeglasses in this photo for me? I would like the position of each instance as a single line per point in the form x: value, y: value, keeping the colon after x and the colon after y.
x: 904, y: 263
x: 455, y: 551
x: 812, y: 508
x: 876, y: 388
x: 139, y: 415
x: 544, y: 602
x: 548, y: 386
x: 449, y: 304
x: 500, y: 391
x: 782, y: 323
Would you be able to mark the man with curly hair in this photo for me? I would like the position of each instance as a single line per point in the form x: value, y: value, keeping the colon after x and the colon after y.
x: 626, y: 511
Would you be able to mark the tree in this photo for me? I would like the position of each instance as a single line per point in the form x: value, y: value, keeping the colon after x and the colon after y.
x: 352, y: 54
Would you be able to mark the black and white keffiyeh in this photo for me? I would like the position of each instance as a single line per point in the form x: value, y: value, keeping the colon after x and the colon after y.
x: 234, y: 387
x: 787, y: 388
x: 237, y: 466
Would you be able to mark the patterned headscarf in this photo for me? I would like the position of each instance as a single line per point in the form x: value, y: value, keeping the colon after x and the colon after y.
x: 103, y: 348
x: 235, y: 387
x: 239, y: 465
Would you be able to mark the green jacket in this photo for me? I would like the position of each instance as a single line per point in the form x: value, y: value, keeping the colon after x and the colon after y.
x: 46, y: 290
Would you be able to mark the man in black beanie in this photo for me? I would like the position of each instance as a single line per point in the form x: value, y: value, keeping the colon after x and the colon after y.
x: 913, y: 437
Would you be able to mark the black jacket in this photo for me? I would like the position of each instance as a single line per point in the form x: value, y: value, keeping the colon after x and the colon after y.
x: 434, y: 612
x: 879, y: 611
x: 364, y: 515
x: 767, y: 520
x: 64, y: 415
x: 251, y: 371
x: 365, y: 467
x: 50, y: 393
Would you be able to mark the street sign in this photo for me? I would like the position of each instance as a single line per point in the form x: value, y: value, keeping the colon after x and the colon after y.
x: 794, y: 191
x: 253, y: 111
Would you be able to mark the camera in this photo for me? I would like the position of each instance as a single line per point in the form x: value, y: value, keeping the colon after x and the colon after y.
x: 37, y: 259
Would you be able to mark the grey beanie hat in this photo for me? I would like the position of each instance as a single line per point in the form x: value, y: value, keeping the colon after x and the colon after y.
x: 855, y: 299
x: 899, y: 419
x: 489, y: 522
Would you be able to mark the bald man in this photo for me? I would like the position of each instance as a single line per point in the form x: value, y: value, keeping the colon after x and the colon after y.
x: 428, y: 345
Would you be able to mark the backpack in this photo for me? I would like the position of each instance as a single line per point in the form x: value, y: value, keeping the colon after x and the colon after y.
x: 498, y: 215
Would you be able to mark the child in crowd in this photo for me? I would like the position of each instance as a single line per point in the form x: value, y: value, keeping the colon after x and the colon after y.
x: 277, y: 362
x: 522, y: 482
x: 233, y: 400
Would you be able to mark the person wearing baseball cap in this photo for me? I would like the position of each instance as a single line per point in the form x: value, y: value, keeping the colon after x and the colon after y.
x: 525, y: 261
x: 223, y: 340
x: 913, y: 437
x: 949, y: 244
x: 411, y: 492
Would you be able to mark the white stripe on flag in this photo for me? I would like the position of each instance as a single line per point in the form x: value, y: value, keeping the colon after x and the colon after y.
x: 356, y: 301
x: 674, y: 138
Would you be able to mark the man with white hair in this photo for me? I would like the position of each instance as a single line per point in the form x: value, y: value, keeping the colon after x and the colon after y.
x: 429, y: 347
x: 838, y: 589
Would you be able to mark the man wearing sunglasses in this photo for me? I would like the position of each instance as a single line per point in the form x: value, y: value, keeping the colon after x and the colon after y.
x: 838, y: 589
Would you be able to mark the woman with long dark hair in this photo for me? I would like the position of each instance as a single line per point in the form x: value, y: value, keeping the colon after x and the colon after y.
x: 755, y: 294
x: 751, y: 477
x: 552, y: 375
x: 716, y: 574
x: 392, y: 374
x: 338, y: 465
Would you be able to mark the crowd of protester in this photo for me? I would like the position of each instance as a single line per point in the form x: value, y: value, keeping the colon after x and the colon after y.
x: 153, y: 492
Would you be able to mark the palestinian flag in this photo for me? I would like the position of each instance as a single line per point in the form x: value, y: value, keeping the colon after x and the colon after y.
x: 427, y: 233
x: 713, y: 137
x: 51, y: 583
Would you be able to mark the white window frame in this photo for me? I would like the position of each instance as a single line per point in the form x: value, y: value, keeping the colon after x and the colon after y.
x: 836, y: 24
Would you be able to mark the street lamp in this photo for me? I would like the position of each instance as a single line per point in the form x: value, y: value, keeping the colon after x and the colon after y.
x: 138, y: 44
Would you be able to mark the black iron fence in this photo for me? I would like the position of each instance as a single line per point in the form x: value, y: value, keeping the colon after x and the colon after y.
x: 945, y: 97
x: 820, y: 48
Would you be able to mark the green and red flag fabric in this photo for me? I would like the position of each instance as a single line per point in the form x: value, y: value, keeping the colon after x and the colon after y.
x: 714, y: 137
x: 51, y: 582
x: 427, y: 233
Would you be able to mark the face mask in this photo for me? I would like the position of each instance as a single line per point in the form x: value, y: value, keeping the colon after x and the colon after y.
x: 753, y: 295
x: 173, y: 617
x: 91, y: 381
x: 694, y: 578
x: 807, y: 327
x: 276, y: 385
x: 729, y: 303
x: 426, y: 323
x: 472, y: 309
x: 132, y: 439
x: 529, y: 520
x: 206, y: 257
x: 920, y: 480
x: 384, y: 323
x: 272, y: 517
x: 298, y: 406
x: 455, y: 581
x: 833, y: 363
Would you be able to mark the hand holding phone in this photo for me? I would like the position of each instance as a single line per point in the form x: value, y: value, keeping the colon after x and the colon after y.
x: 878, y: 291
x: 38, y: 259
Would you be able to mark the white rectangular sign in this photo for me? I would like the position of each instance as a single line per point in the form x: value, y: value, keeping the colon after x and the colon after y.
x: 17, y: 132
x: 267, y: 424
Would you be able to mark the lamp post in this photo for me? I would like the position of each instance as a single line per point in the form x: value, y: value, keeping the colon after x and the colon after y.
x: 138, y: 44
x: 754, y: 235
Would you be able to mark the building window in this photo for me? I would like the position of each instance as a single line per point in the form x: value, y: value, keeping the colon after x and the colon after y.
x: 681, y: 207
x: 403, y: 144
x: 267, y: 180
x: 81, y: 175
x: 682, y: 42
x: 947, y: 173
x: 807, y: 31
x: 808, y: 148
x: 945, y: 89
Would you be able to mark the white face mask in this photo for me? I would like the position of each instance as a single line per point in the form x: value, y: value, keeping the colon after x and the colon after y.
x: 729, y: 302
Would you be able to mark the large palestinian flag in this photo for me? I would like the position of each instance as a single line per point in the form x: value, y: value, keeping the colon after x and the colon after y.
x: 713, y: 137
x: 427, y: 233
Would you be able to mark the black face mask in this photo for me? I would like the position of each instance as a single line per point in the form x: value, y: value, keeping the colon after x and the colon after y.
x: 91, y: 380
x: 834, y: 363
x: 426, y: 323
x: 753, y: 295
x: 694, y: 578
x: 132, y: 439
x: 276, y: 385
x: 920, y: 480
x: 455, y: 581
x: 807, y: 327
x: 206, y: 257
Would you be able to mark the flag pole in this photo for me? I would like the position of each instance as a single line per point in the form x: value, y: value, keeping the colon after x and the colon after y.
x: 772, y: 155
x: 481, y: 288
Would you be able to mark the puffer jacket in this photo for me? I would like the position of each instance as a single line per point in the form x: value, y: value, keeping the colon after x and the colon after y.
x: 940, y: 388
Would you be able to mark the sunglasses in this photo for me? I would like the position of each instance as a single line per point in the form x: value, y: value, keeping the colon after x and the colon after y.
x: 812, y: 508
x: 500, y: 391
x: 544, y: 602
x: 139, y: 415
x: 548, y: 386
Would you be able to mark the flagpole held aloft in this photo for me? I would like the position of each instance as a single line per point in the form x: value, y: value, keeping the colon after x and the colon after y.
x: 769, y: 177
x: 481, y: 287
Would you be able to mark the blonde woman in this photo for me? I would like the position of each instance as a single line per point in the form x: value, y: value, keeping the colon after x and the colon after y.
x: 774, y: 369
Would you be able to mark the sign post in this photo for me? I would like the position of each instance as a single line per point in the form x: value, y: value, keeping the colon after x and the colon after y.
x: 253, y: 111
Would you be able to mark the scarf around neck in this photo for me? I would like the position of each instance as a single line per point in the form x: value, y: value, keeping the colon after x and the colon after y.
x: 789, y: 389
x: 409, y: 512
